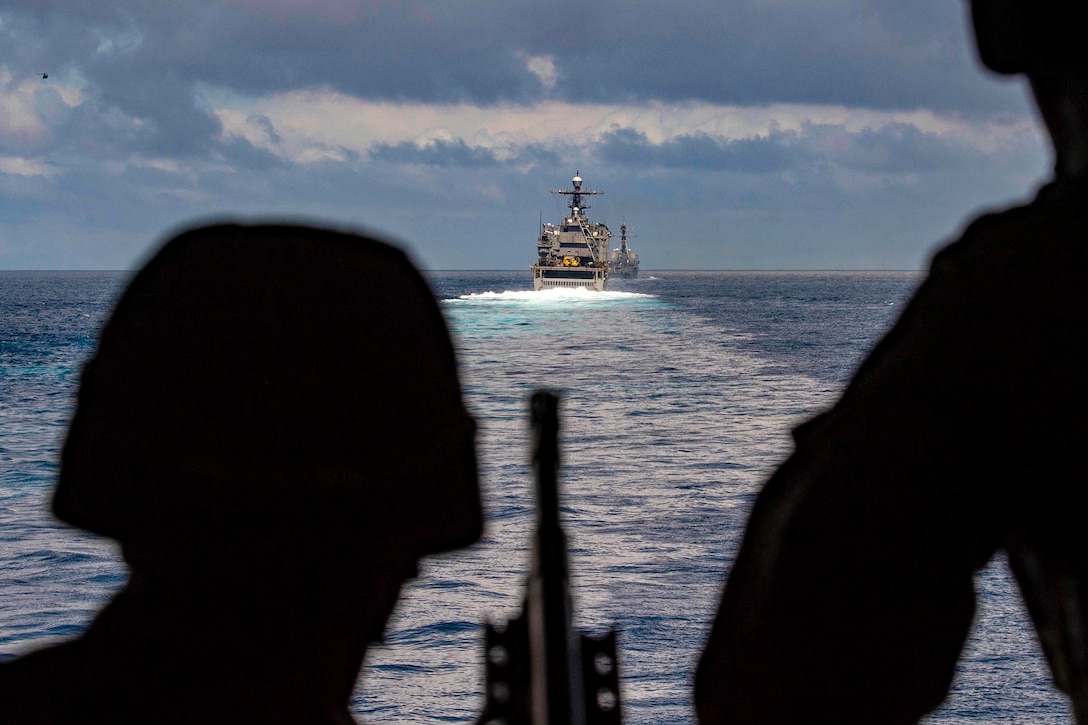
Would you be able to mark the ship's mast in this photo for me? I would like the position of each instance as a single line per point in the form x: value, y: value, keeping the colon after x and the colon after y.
x: 575, y: 203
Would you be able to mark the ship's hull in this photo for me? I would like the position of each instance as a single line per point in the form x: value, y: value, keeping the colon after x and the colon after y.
x: 624, y: 272
x: 544, y: 277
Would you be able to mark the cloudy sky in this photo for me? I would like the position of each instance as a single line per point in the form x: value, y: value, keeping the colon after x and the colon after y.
x: 728, y: 134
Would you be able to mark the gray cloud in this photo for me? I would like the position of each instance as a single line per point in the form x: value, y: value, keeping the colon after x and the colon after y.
x: 142, y: 69
x: 435, y: 153
x: 896, y: 147
x: 627, y: 147
x: 459, y: 154
x: 870, y: 53
x: 146, y: 61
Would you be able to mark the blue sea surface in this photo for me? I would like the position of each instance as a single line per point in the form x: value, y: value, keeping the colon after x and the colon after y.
x: 679, y: 390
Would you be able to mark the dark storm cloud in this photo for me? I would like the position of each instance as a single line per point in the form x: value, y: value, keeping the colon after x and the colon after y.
x: 123, y: 139
x: 141, y: 66
x: 147, y: 58
x: 242, y: 154
x: 875, y: 53
x: 436, y: 153
x: 459, y: 154
x: 894, y: 148
x: 627, y: 147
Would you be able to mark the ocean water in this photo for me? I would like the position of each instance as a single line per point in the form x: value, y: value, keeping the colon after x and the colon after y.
x: 678, y: 393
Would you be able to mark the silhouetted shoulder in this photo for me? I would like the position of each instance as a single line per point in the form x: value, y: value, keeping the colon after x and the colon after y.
x: 1045, y: 234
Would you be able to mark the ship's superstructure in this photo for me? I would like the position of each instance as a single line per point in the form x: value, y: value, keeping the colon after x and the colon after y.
x: 624, y: 260
x: 574, y: 253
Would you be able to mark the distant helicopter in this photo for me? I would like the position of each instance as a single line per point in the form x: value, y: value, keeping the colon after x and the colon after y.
x: 43, y: 75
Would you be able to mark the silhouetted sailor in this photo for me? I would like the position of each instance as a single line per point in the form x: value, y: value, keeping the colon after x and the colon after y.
x: 273, y: 429
x: 962, y: 434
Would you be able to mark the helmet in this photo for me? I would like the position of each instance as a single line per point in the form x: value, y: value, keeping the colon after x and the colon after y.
x: 266, y: 379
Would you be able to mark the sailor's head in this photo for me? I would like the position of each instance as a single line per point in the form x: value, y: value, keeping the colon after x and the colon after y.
x: 1029, y: 36
x: 274, y: 382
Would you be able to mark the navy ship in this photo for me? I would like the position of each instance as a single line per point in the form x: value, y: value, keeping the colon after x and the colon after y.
x: 575, y: 253
x: 624, y: 260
